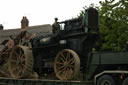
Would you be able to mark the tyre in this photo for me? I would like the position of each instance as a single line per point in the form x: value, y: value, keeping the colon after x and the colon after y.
x: 125, y: 82
x: 105, y: 80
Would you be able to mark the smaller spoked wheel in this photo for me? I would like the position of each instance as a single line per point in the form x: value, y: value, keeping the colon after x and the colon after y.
x: 67, y: 64
x: 125, y: 82
x: 105, y: 80
x: 20, y: 62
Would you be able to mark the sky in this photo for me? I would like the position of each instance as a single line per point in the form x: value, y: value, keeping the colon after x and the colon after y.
x: 39, y: 12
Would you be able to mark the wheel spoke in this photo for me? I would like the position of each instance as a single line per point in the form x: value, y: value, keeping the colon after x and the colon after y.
x: 59, y: 63
x: 16, y: 68
x: 69, y: 72
x: 63, y: 56
x: 60, y: 71
x: 15, y: 53
x: 66, y: 74
x: 71, y: 61
x: 20, y: 52
x: 18, y: 57
x: 19, y: 71
x: 71, y: 66
x: 67, y: 56
x: 62, y: 59
x: 22, y: 58
x: 61, y: 67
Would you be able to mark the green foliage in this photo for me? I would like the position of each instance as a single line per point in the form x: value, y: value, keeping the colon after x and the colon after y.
x: 113, y: 21
x: 114, y: 25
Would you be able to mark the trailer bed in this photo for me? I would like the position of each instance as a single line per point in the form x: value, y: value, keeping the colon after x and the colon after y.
x: 11, y: 81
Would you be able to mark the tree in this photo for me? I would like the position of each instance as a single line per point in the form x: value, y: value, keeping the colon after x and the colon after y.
x: 113, y: 19
x: 114, y: 25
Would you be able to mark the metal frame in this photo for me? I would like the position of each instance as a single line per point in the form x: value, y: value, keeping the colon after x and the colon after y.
x: 12, y: 81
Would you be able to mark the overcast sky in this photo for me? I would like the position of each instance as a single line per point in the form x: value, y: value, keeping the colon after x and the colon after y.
x: 39, y: 11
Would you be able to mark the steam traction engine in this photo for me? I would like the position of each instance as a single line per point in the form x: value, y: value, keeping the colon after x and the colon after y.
x: 63, y: 54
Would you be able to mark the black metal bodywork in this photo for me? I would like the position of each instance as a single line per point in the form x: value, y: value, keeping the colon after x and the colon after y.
x: 77, y: 34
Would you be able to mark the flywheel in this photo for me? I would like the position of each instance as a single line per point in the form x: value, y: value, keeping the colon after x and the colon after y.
x: 67, y: 64
x: 20, y: 62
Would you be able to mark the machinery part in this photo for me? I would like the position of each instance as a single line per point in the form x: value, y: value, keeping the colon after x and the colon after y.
x: 67, y: 64
x: 125, y: 82
x: 105, y: 80
x: 26, y: 43
x: 20, y: 62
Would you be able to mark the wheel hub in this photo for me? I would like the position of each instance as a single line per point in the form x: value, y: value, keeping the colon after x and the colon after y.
x: 19, y: 62
x: 65, y: 64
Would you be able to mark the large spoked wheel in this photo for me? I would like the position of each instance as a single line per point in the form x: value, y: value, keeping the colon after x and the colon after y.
x: 105, y: 80
x: 67, y: 64
x: 20, y: 62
